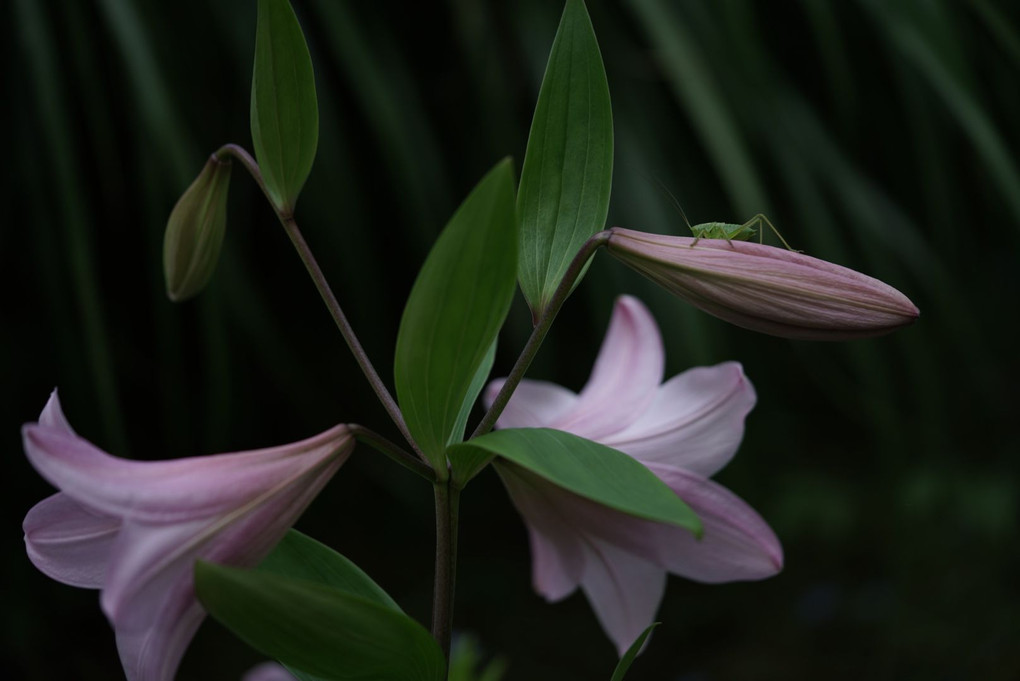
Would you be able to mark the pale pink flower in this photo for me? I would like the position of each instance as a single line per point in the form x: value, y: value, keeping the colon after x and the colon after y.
x: 766, y: 289
x: 135, y: 528
x: 683, y: 430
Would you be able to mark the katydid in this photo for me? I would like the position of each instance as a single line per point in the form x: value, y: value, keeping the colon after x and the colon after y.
x: 732, y: 232
x: 725, y: 230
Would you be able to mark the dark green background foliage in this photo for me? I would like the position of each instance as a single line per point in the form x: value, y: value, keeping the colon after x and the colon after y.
x: 880, y: 135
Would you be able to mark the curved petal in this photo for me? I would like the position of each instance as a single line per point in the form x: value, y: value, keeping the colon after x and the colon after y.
x: 150, y: 560
x: 621, y: 579
x: 149, y: 595
x: 557, y: 557
x: 68, y: 542
x: 268, y: 671
x: 695, y: 422
x: 737, y: 544
x: 625, y: 377
x: 624, y: 591
x: 169, y: 491
x: 53, y: 416
x: 153, y: 650
x: 534, y: 404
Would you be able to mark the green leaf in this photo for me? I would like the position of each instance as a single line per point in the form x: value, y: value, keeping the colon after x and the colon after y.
x: 568, y: 167
x: 301, y: 557
x: 474, y: 390
x: 628, y: 657
x: 467, y: 462
x: 588, y: 469
x: 284, y: 112
x: 318, y: 629
x: 454, y: 312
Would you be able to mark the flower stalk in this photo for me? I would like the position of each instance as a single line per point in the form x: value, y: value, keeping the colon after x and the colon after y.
x: 447, y: 498
x: 538, y: 334
x: 328, y: 297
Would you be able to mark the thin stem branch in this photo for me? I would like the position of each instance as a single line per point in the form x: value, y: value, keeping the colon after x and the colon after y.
x: 312, y: 265
x: 447, y: 506
x: 541, y: 329
x: 392, y: 450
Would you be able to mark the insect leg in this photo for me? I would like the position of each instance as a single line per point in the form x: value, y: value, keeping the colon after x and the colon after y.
x: 761, y: 218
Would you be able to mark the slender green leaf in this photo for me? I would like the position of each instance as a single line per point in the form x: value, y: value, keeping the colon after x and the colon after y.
x: 568, y: 167
x: 628, y: 657
x: 301, y: 557
x: 319, y: 629
x: 588, y: 469
x: 474, y: 390
x: 284, y: 113
x: 454, y: 312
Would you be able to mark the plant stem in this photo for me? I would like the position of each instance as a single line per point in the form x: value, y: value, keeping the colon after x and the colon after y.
x: 392, y: 450
x: 312, y: 265
x: 447, y: 508
x: 541, y: 329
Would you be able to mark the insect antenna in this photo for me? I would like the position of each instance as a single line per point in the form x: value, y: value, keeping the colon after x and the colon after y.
x: 676, y: 203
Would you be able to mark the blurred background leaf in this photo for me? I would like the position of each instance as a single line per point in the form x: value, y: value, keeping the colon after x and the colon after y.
x: 880, y: 135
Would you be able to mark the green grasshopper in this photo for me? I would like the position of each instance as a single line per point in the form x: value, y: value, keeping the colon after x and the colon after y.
x: 732, y: 232
x: 725, y: 230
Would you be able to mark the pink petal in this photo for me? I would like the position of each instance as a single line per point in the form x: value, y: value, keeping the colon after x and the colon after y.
x: 737, y: 543
x: 623, y: 559
x: 624, y: 591
x: 167, y: 491
x: 154, y: 652
x: 623, y: 586
x: 53, y: 416
x: 148, y: 560
x: 625, y: 377
x: 138, y: 527
x: 534, y: 404
x: 696, y: 421
x: 268, y: 671
x: 149, y: 595
x: 556, y: 552
x: 69, y: 542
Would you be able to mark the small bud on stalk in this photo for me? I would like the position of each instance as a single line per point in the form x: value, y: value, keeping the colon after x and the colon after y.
x: 766, y: 289
x: 194, y: 232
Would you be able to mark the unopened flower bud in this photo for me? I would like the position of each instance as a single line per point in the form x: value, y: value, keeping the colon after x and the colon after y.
x: 194, y: 232
x: 766, y: 289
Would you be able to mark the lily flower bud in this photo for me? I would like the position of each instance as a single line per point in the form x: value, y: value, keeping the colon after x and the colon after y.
x: 194, y: 232
x: 766, y: 289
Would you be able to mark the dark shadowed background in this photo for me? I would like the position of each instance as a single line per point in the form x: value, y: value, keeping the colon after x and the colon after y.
x: 879, y: 135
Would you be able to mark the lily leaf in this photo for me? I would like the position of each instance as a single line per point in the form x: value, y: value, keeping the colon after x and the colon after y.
x: 628, y: 657
x: 568, y: 167
x: 301, y: 557
x: 474, y: 390
x: 284, y: 111
x: 454, y: 313
x: 317, y: 629
x: 586, y: 468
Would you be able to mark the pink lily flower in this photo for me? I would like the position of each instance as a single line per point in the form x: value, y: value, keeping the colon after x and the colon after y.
x: 135, y: 528
x: 683, y: 430
x: 766, y: 289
